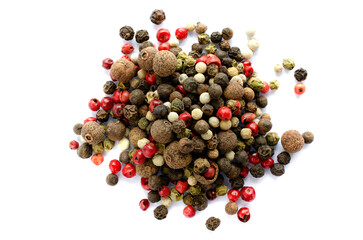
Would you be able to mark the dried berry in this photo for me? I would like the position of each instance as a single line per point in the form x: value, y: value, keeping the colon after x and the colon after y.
x: 257, y: 171
x: 261, y: 101
x: 234, y: 90
x: 231, y: 208
x: 284, y: 158
x: 162, y: 131
x: 146, y: 169
x: 199, y: 203
x: 264, y: 126
x: 146, y: 58
x: 174, y: 158
x: 227, y: 33
x: 200, y: 28
x: 308, y: 137
x: 123, y: 70
x: 300, y: 74
x: 142, y: 36
x: 135, y: 135
x: 212, y: 223
x: 112, y: 179
x: 109, y: 87
x: 164, y: 63
x: 292, y: 141
x: 185, y: 145
x: 157, y: 16
x: 93, y: 132
x: 216, y: 37
x: 85, y: 150
x: 127, y: 33
x: 227, y: 141
x: 115, y: 130
x: 265, y: 152
x: 277, y: 169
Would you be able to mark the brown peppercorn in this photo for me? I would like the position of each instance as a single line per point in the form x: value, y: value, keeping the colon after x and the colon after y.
x: 178, y: 126
x: 221, y: 54
x: 261, y: 101
x: 216, y: 37
x: 300, y: 74
x: 292, y: 141
x: 227, y: 33
x: 213, y: 142
x: 187, y: 103
x: 123, y: 70
x: 124, y: 157
x: 135, y: 135
x: 176, y: 174
x: 188, y: 199
x: 155, y: 182
x: 221, y: 79
x: 102, y: 116
x: 227, y: 61
x: 265, y: 116
x: 146, y: 169
x: 164, y: 90
x: 194, y: 54
x: 109, y: 87
x: 224, y: 45
x: 175, y: 50
x: 142, y: 36
x: 200, y: 28
x: 93, y: 132
x: 212, y: 223
x: 264, y: 152
x: 199, y: 145
x: 199, y: 203
x: 142, y: 110
x: 225, y: 165
x: 202, y: 88
x: 145, y: 44
x: 77, y: 128
x: 227, y: 141
x: 164, y: 63
x: 190, y: 84
x: 264, y: 126
x: 259, y: 141
x: 213, y: 154
x: 277, y: 169
x: 234, y: 172
x: 185, y: 145
x: 233, y: 52
x: 137, y: 97
x: 162, y: 131
x: 175, y: 95
x: 207, y: 110
x: 197, y: 47
x: 146, y: 58
x: 234, y: 90
x: 215, y: 90
x: 201, y: 127
x: 308, y: 137
x: 115, y: 130
x: 207, y: 181
x: 257, y: 171
x: 130, y: 112
x: 157, y: 16
x: 160, y: 212
x: 231, y: 208
x: 249, y: 94
x: 85, y: 150
x: 284, y: 158
x: 153, y: 196
x: 174, y: 158
x: 241, y: 159
x: 127, y: 33
x: 112, y: 179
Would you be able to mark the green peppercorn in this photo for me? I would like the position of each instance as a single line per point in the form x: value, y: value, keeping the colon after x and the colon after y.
x: 240, y: 145
x: 186, y: 134
x: 221, y: 190
x: 274, y: 84
x: 195, y: 190
x: 175, y: 195
x: 182, y: 55
x: 250, y: 141
x: 203, y: 39
x: 108, y: 144
x: 143, y: 123
x: 179, y: 64
x: 300, y: 74
x: 211, y: 48
x: 97, y: 148
x: 288, y: 64
x: 255, y: 83
x: 161, y: 148
x: 188, y: 171
x: 272, y: 138
x: 189, y: 61
x: 177, y: 105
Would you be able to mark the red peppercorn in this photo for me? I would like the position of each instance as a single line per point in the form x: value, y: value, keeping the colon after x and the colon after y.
x: 154, y: 103
x: 90, y: 119
x: 115, y: 166
x: 164, y: 192
x: 267, y: 163
x: 163, y: 35
x: 149, y: 150
x: 129, y: 170
x: 189, y: 211
x: 145, y: 184
x: 210, y: 172
x: 243, y: 214
x: 233, y: 195
x: 181, y: 33
x: 181, y: 186
x: 187, y: 118
x: 124, y: 97
x: 299, y: 88
x: 253, y: 126
x: 248, y: 194
x: 151, y: 78
x: 137, y: 67
x: 253, y: 158
x: 144, y: 204
x: 164, y: 46
x: 211, y: 194
x: 126, y: 57
x: 202, y: 59
x: 213, y: 59
x: 138, y: 157
x: 97, y: 159
x: 224, y: 113
x: 107, y: 63
x: 246, y: 63
x: 116, y: 96
x: 73, y: 145
x: 106, y: 103
x: 117, y: 110
x: 127, y: 48
x: 265, y: 88
x: 180, y: 89
x: 244, y: 172
x: 248, y: 71
x: 151, y: 139
x: 94, y: 104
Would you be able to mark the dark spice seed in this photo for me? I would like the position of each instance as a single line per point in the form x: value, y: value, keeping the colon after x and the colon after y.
x: 227, y: 33
x: 200, y: 203
x: 308, y: 137
x: 153, y: 196
x: 224, y: 45
x: 197, y: 47
x: 109, y: 87
x: 77, y: 128
x: 157, y: 16
x: 127, y: 33
x: 277, y: 169
x: 142, y: 36
x: 284, y: 158
x: 160, y: 212
x: 257, y: 171
x: 112, y: 179
x: 216, y: 37
x: 212, y: 223
x: 300, y: 74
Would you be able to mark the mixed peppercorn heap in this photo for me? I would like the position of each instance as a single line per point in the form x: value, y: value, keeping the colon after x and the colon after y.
x: 193, y: 119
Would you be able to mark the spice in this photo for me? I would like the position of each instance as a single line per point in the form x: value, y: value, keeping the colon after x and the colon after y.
x: 142, y: 36
x: 127, y: 33
x: 288, y: 64
x: 135, y: 135
x: 157, y: 16
x: 278, y: 68
x: 123, y: 70
x: 199, y: 203
x: 277, y: 169
x: 108, y: 144
x: 272, y: 138
x: 264, y: 126
x: 174, y: 158
x: 284, y: 158
x: 85, y: 150
x: 292, y: 141
x: 112, y: 179
x: 227, y: 141
x: 253, y: 44
x: 308, y: 137
x: 256, y: 84
x: 146, y: 58
x: 200, y: 28
x: 299, y: 88
x: 216, y: 37
x: 161, y: 131
x: 274, y: 84
x: 77, y: 128
x: 204, y: 39
x: 212, y: 223
x: 257, y: 171
x: 250, y: 32
x: 185, y: 145
x: 300, y: 74
x: 164, y: 63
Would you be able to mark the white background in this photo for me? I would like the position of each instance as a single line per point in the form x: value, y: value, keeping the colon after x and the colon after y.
x: 51, y: 55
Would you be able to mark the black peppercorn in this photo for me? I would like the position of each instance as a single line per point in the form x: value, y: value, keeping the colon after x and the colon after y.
x: 197, y: 47
x: 194, y: 54
x: 308, y: 137
x: 284, y: 158
x: 264, y: 126
x: 102, y: 116
x: 265, y: 152
x: 142, y: 36
x: 257, y: 171
x: 300, y: 74
x: 221, y: 54
x: 137, y: 97
x: 224, y: 45
x: 241, y: 159
x: 124, y: 157
x: 212, y: 70
x: 160, y: 212
x: 227, y: 33
x: 190, y: 84
x: 227, y: 61
x: 187, y: 103
x: 201, y: 166
x: 109, y: 87
x: 237, y: 182
x: 221, y: 79
x: 127, y: 33
x: 154, y: 182
x: 216, y: 37
x: 188, y: 199
x: 178, y: 126
x: 157, y: 16
x: 130, y: 112
x: 190, y: 71
x: 207, y: 110
x: 176, y: 174
x: 175, y: 50
x: 85, y: 150
x: 261, y: 101
x: 233, y: 52
x: 234, y: 172
x: 219, y: 181
x: 199, y: 203
x: 145, y: 45
x: 259, y: 141
x: 199, y: 145
x: 112, y: 179
x: 185, y: 145
x: 153, y: 196
x: 277, y: 169
x: 251, y: 107
x: 161, y: 111
x: 164, y: 91
x: 224, y: 165
x: 212, y: 223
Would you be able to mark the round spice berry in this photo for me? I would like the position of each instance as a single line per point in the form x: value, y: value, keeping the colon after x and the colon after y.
x: 93, y: 132
x: 224, y: 113
x: 257, y: 171
x: 127, y: 33
x: 138, y: 157
x: 160, y: 212
x: 144, y: 204
x: 164, y: 63
x: 277, y: 169
x: 163, y: 35
x: 149, y: 150
x: 299, y: 88
x: 189, y: 212
x: 127, y: 48
x: 248, y: 194
x: 231, y: 208
x: 112, y: 179
x: 308, y: 137
x: 227, y: 33
x: 181, y: 33
x: 267, y: 163
x: 233, y: 195
x: 265, y: 88
x: 212, y: 223
x: 243, y: 214
x: 292, y: 141
x: 107, y: 63
x: 73, y: 145
x: 300, y: 74
x: 164, y: 46
x: 145, y: 183
x: 157, y: 16
x: 115, y: 166
x: 129, y: 170
x: 142, y: 36
x: 97, y: 159
x: 89, y: 119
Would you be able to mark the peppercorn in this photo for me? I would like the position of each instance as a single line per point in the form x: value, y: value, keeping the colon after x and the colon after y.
x: 211, y: 48
x: 216, y: 37
x: 199, y: 203
x: 127, y: 33
x: 146, y: 58
x: 225, y: 165
x: 135, y: 135
x: 272, y: 138
x: 112, y: 179
x: 300, y: 74
x: 274, y: 84
x: 164, y: 63
x: 234, y: 172
x: 227, y: 141
x: 108, y: 144
x: 233, y: 52
x: 109, y: 87
x: 264, y: 126
x: 284, y: 158
x: 137, y: 97
x: 224, y: 45
x: 277, y: 169
x: 255, y: 83
x: 203, y: 39
x: 123, y: 70
x: 197, y: 47
x: 161, y: 131
x: 174, y: 158
x: 231, y: 208
x: 164, y: 91
x: 142, y: 36
x: 227, y: 62
x: 185, y: 145
x: 234, y: 90
x: 160, y: 212
x: 241, y: 159
x: 194, y: 54
x: 161, y: 111
x: 212, y: 223
x: 265, y: 152
x: 85, y: 150
x: 157, y: 16
x: 200, y: 28
x: 251, y: 107
x: 178, y: 126
x: 102, y: 116
x: 201, y: 166
x: 97, y: 148
x: 237, y: 183
x: 257, y: 171
x: 155, y: 182
x: 115, y: 130
x: 259, y: 141
x: 308, y: 137
x: 92, y: 132
x: 288, y: 64
x: 77, y: 128
x: 124, y: 157
x: 292, y: 141
x: 261, y: 101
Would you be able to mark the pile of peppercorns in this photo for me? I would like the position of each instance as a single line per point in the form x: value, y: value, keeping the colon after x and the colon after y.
x: 193, y: 120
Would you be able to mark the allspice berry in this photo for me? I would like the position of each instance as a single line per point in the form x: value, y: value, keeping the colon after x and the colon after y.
x: 123, y: 70
x: 78, y: 128
x: 164, y: 63
x: 136, y: 134
x: 308, y: 137
x: 174, y: 158
x: 162, y: 131
x: 201, y: 127
x: 147, y: 169
x: 227, y: 141
x: 157, y: 16
x: 115, y: 130
x: 93, y: 132
x: 137, y: 97
x: 234, y: 90
x: 85, y: 150
x: 292, y: 141
x: 231, y: 208
x: 112, y: 179
x: 249, y: 94
x: 146, y: 58
x: 215, y: 91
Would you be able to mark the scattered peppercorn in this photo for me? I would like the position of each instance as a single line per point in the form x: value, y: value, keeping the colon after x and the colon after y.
x: 277, y: 169
x: 308, y: 137
x: 127, y: 33
x: 212, y: 223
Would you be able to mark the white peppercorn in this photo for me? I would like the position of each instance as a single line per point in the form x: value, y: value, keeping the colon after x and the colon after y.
x: 258, y: 112
x: 208, y: 135
x: 246, y: 133
x: 256, y: 120
x: 190, y: 27
x: 168, y: 104
x: 225, y: 124
x: 237, y: 79
x: 192, y: 181
x: 150, y: 116
x: 182, y: 78
x: 123, y: 144
x: 201, y: 67
x: 166, y: 201
x: 250, y: 32
x: 158, y: 160
x: 234, y: 121
x: 253, y: 44
x: 204, y: 98
x: 199, y: 78
x: 232, y: 71
x: 134, y: 57
x: 213, y: 122
x: 174, y: 42
x: 173, y: 116
x: 244, y: 78
x: 142, y: 142
x: 278, y: 68
x: 247, y: 53
x: 230, y: 155
x: 197, y: 114
x: 211, y: 81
